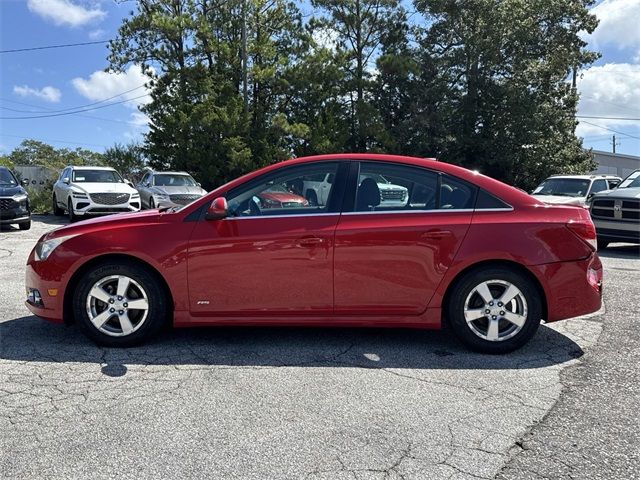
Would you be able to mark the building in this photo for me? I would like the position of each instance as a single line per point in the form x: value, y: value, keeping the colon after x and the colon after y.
x: 37, y: 176
x: 615, y: 163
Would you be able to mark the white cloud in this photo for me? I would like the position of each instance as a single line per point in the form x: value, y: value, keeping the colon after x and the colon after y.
x: 610, y: 90
x: 102, y: 85
x: 49, y: 94
x: 97, y: 34
x: 618, y: 24
x: 64, y: 12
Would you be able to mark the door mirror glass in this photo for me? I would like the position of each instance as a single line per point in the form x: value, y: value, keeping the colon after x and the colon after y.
x: 66, y: 180
x: 218, y: 209
x: 25, y: 182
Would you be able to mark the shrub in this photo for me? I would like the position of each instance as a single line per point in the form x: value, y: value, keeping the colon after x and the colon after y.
x: 40, y: 199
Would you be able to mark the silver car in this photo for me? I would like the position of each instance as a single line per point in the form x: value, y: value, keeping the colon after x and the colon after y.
x: 158, y: 189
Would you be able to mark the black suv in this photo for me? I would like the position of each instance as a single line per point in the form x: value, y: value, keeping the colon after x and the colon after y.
x: 14, y: 201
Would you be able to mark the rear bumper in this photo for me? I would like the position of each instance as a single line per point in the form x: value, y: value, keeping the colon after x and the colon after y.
x: 572, y: 288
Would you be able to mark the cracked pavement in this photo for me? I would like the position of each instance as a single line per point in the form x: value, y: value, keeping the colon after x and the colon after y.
x: 271, y: 403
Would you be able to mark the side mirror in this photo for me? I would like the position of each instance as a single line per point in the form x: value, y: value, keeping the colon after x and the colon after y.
x: 66, y: 180
x: 25, y: 182
x: 198, y: 184
x: 218, y: 209
x: 128, y: 182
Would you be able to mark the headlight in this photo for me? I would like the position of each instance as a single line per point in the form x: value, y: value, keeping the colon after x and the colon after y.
x: 161, y: 196
x: 79, y: 195
x: 19, y: 197
x: 44, y: 248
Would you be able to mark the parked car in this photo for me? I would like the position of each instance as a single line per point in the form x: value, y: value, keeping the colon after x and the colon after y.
x: 616, y: 213
x: 14, y: 201
x: 91, y: 191
x: 489, y: 260
x: 316, y: 189
x: 168, y: 188
x: 574, y: 189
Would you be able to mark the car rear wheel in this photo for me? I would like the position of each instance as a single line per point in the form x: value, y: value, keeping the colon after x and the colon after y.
x: 495, y: 310
x: 120, y: 305
x: 152, y: 204
x: 25, y: 225
x: 57, y: 211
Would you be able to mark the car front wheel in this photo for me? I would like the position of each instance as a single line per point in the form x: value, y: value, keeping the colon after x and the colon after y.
x: 119, y: 305
x: 495, y: 309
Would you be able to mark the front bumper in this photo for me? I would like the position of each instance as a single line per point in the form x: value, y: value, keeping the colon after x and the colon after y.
x: 88, y: 207
x: 16, y: 214
x: 50, y: 290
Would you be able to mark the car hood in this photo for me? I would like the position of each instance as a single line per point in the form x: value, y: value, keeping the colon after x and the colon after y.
x: 6, y: 191
x: 560, y: 200
x: 391, y: 186
x: 172, y: 190
x: 93, y: 224
x: 98, y: 187
x: 282, y: 197
x: 620, y: 193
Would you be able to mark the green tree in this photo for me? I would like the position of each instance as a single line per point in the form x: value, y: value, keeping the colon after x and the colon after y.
x: 498, y: 72
x: 129, y: 159
x: 37, y: 153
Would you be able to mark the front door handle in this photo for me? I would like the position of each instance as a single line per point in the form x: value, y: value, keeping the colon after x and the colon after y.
x: 310, y: 242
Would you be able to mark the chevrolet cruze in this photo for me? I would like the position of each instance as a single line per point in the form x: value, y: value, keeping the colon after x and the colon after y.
x: 463, y: 250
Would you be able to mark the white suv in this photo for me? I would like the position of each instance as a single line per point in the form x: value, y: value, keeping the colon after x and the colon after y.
x: 316, y: 190
x: 89, y: 191
x: 574, y: 189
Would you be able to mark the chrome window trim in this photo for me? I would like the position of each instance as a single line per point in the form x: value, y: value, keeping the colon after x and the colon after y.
x: 247, y: 217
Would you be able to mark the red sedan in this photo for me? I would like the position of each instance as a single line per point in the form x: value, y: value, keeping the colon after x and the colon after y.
x: 463, y: 249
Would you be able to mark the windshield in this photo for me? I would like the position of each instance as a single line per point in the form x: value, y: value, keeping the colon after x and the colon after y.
x: 170, y: 180
x: 631, y: 181
x: 564, y: 187
x: 96, y: 176
x: 6, y: 178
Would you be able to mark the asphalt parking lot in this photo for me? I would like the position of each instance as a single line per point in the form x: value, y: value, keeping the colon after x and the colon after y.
x: 319, y: 403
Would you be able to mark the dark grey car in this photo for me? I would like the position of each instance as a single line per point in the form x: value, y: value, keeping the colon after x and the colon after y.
x: 158, y: 189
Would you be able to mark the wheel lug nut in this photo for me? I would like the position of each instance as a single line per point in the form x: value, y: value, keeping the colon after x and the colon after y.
x: 502, y: 312
x: 499, y: 304
x: 120, y: 312
x: 494, y: 317
x: 491, y: 303
x: 487, y: 311
x: 111, y: 300
x: 112, y: 310
x: 125, y: 304
x: 119, y: 298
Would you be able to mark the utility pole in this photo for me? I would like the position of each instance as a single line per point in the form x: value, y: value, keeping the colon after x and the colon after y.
x: 613, y: 143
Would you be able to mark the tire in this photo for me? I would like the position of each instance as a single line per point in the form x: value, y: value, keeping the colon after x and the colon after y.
x: 486, y: 313
x: 72, y: 216
x: 57, y: 211
x: 602, y: 244
x: 152, y: 203
x: 103, y: 281
x: 25, y: 225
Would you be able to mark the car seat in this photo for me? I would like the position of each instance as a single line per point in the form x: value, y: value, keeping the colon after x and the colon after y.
x: 368, y: 197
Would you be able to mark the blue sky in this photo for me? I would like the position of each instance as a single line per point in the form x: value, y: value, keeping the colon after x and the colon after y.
x: 44, y: 81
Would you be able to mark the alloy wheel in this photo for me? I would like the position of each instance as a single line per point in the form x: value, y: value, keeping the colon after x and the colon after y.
x: 495, y: 310
x: 117, y: 305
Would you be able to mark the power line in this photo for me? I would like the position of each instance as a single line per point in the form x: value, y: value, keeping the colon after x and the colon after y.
x: 45, y: 47
x: 609, y: 118
x: 53, y: 141
x: 610, y: 129
x: 31, y: 117
x: 77, y: 107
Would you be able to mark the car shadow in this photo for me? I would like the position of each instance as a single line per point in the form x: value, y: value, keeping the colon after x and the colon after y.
x: 624, y: 250
x: 46, y: 219
x: 29, y: 339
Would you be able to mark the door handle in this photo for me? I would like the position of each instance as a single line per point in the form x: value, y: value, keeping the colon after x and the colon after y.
x: 310, y: 242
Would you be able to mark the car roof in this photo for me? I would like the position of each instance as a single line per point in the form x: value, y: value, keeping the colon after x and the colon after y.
x: 172, y: 173
x: 88, y: 167
x: 584, y: 177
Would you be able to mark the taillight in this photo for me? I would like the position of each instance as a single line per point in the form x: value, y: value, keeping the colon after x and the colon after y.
x: 585, y: 231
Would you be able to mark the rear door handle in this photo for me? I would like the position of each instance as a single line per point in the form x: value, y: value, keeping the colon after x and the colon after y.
x: 310, y: 242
